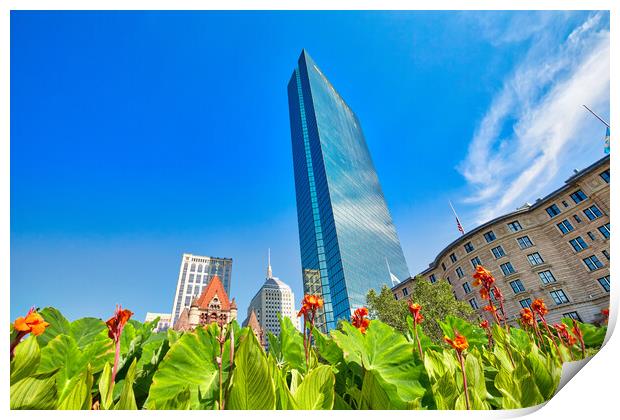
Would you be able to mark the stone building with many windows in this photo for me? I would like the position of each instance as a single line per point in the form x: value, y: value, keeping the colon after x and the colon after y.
x: 556, y: 249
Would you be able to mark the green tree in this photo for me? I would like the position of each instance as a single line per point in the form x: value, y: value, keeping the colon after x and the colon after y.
x: 437, y: 302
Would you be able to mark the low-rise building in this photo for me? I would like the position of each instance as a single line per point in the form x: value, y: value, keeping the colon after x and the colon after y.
x: 164, y: 320
x: 556, y: 249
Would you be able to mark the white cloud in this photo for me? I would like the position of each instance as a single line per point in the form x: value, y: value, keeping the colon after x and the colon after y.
x: 536, y: 117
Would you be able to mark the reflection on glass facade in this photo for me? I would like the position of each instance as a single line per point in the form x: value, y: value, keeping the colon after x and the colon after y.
x: 347, y: 239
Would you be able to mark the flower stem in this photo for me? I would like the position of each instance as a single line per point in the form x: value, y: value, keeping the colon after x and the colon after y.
x: 462, y: 361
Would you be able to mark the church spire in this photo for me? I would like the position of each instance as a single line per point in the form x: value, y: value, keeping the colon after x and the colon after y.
x: 269, y: 273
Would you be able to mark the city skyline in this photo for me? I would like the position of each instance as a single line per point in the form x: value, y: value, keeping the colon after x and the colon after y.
x: 129, y: 150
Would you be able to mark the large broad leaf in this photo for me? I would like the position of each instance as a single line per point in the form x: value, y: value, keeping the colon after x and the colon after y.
x: 292, y: 344
x: 63, y: 355
x: 327, y: 348
x: 127, y: 400
x: 316, y: 391
x: 284, y: 398
x: 442, y: 368
x: 77, y: 396
x: 26, y: 359
x: 86, y: 330
x: 153, y: 353
x: 35, y: 393
x: 106, y: 388
x: 389, y: 355
x: 252, y: 387
x: 191, y: 363
x: 476, y: 383
x: 58, y: 325
x: 476, y: 337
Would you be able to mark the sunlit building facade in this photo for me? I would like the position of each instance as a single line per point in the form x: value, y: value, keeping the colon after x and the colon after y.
x: 347, y: 238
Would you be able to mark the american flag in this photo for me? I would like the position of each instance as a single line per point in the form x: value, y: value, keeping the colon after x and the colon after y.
x: 459, y: 227
x: 458, y: 222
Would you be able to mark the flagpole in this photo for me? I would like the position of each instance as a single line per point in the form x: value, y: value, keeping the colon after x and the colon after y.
x: 456, y: 216
x: 599, y: 118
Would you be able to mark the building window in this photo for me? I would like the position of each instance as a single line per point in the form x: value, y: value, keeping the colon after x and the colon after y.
x: 577, y: 218
x: 507, y: 268
x: 578, y: 196
x: 524, y: 242
x: 604, y: 282
x: 475, y: 262
x: 514, y: 226
x: 572, y: 315
x: 564, y: 203
x: 546, y: 277
x: 605, y: 176
x: 535, y: 258
x: 591, y: 236
x: 606, y: 254
x: 565, y: 226
x: 489, y: 236
x: 448, y: 278
x: 592, y: 212
x: 558, y: 296
x: 474, y: 303
x: 405, y: 291
x: 432, y: 278
x: 605, y: 231
x: 443, y: 266
x: 593, y: 263
x: 466, y: 287
x: 498, y: 252
x: 459, y: 272
x: 553, y: 210
x: 469, y: 247
x: 453, y: 257
x: 526, y: 303
x: 517, y: 286
x: 395, y: 296
x: 578, y: 244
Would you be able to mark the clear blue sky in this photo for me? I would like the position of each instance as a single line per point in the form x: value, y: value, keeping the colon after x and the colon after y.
x: 137, y: 136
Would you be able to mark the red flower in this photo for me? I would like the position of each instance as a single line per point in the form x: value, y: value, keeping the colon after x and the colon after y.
x: 359, y: 319
x: 490, y: 308
x: 484, y: 324
x: 527, y: 317
x: 459, y: 343
x: 415, y: 308
x: 605, y: 313
x: 564, y: 334
x: 32, y: 323
x: 117, y: 322
x: 484, y: 293
x: 539, y: 307
x: 310, y: 303
x: 497, y: 293
x: 483, y: 277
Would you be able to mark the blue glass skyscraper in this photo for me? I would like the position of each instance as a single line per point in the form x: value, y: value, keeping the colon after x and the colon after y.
x: 347, y: 238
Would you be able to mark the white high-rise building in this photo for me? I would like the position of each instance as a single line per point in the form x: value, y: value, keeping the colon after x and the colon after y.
x: 274, y: 297
x: 194, y: 275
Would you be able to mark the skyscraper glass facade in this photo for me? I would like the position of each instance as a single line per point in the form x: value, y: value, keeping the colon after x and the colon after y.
x: 347, y: 238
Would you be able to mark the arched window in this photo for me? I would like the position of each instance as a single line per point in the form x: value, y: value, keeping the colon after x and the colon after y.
x: 193, y: 267
x: 200, y: 268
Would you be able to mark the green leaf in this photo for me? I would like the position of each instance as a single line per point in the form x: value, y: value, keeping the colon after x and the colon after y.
x: 476, y: 384
x: 86, y: 330
x: 316, y: 391
x: 181, y: 401
x: 58, y: 325
x: 190, y: 362
x: 26, y: 359
x: 78, y: 396
x: 476, y: 337
x: 106, y: 388
x: 292, y: 344
x: 389, y: 355
x: 153, y: 353
x: 252, y: 387
x: 593, y: 336
x: 34, y: 393
x: 62, y: 354
x: 327, y: 348
x: 127, y: 400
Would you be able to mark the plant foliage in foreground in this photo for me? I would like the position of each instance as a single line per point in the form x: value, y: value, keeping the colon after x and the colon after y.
x: 367, y: 365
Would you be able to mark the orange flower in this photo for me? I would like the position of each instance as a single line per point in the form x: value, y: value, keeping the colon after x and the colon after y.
x: 310, y: 303
x: 490, y: 308
x: 359, y: 319
x: 415, y: 308
x: 484, y: 293
x: 564, y: 334
x: 527, y: 317
x: 483, y: 277
x: 497, y: 293
x: 117, y: 322
x: 484, y: 324
x: 32, y: 323
x: 605, y: 313
x: 459, y: 343
x: 539, y: 307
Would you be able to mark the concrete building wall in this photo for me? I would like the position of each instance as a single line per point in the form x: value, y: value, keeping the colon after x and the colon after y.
x: 585, y: 294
